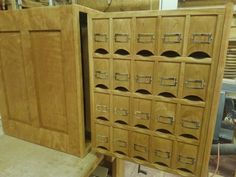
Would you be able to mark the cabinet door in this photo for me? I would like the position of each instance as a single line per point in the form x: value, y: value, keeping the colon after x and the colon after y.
x: 164, y: 117
x: 190, y: 122
x: 167, y: 81
x: 140, y: 146
x: 122, y: 36
x: 120, y: 141
x: 121, y: 109
x: 101, y: 73
x: 145, y: 36
x: 101, y: 36
x: 161, y: 151
x: 121, y: 75
x: 172, y: 34
x: 142, y: 110
x: 143, y: 76
x: 102, y: 106
x: 196, y: 80
x: 102, y: 136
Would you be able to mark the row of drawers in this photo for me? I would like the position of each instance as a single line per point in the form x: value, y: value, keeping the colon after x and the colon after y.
x: 147, y: 34
x: 156, y: 150
x: 169, y: 79
x: 170, y: 118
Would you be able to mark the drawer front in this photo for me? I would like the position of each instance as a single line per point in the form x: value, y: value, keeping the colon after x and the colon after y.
x: 121, y: 109
x: 101, y: 36
x: 190, y: 122
x: 102, y: 106
x: 168, y: 79
x: 164, y: 117
x: 186, y: 157
x: 172, y: 34
x: 143, y: 76
x: 102, y: 136
x: 140, y: 146
x: 196, y: 79
x: 161, y: 151
x: 202, y: 36
x: 122, y: 36
x: 142, y: 110
x: 120, y: 141
x: 102, y: 73
x: 145, y: 37
x: 121, y: 75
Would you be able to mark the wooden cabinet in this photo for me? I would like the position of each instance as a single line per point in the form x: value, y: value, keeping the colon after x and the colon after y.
x: 102, y: 73
x: 121, y: 141
x: 102, y: 136
x: 102, y: 106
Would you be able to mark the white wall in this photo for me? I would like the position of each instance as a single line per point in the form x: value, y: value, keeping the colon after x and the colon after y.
x: 168, y: 4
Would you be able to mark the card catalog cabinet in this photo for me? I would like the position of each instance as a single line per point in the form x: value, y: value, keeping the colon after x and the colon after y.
x: 161, y: 85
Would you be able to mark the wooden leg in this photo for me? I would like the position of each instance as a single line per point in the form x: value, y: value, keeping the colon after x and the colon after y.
x: 118, y: 168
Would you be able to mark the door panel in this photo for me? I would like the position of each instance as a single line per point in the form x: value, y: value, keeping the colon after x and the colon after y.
x: 102, y: 73
x: 121, y: 141
x: 102, y: 136
x: 121, y: 108
x: 102, y: 106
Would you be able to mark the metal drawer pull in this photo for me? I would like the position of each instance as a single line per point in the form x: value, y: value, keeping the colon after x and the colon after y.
x: 121, y: 76
x: 186, y: 160
x: 101, y: 75
x: 165, y: 120
x: 102, y: 108
x: 172, y: 38
x: 143, y: 79
x: 98, y: 37
x: 121, y: 112
x: 140, y: 148
x: 122, y: 143
x: 169, y: 81
x: 202, y: 38
x: 162, y: 154
x: 145, y: 38
x: 122, y: 38
x: 190, y: 124
x: 142, y: 115
x: 102, y: 139
x: 195, y: 84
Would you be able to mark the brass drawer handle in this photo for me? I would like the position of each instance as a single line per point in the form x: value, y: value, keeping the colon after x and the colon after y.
x: 142, y: 115
x: 169, y: 81
x: 191, y: 124
x: 101, y: 75
x: 145, y: 38
x: 122, y: 37
x: 121, y: 76
x: 165, y: 119
x: 195, y: 84
x: 186, y: 160
x: 143, y: 79
x: 122, y: 143
x: 98, y: 37
x: 121, y: 112
x: 102, y: 139
x: 202, y: 38
x: 162, y: 154
x: 172, y: 38
x: 140, y: 148
x: 102, y: 108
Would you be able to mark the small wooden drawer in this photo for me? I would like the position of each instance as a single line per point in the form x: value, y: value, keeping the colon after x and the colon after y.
x: 167, y: 79
x: 145, y: 36
x: 164, y: 117
x: 122, y: 36
x: 140, y: 146
x: 102, y: 73
x: 161, y: 151
x: 186, y: 157
x: 143, y: 76
x: 101, y: 36
x: 196, y: 79
x: 121, y: 109
x: 102, y: 136
x: 202, y: 36
x: 172, y: 34
x: 120, y: 141
x: 189, y: 123
x: 142, y: 111
x: 102, y: 106
x: 121, y: 75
